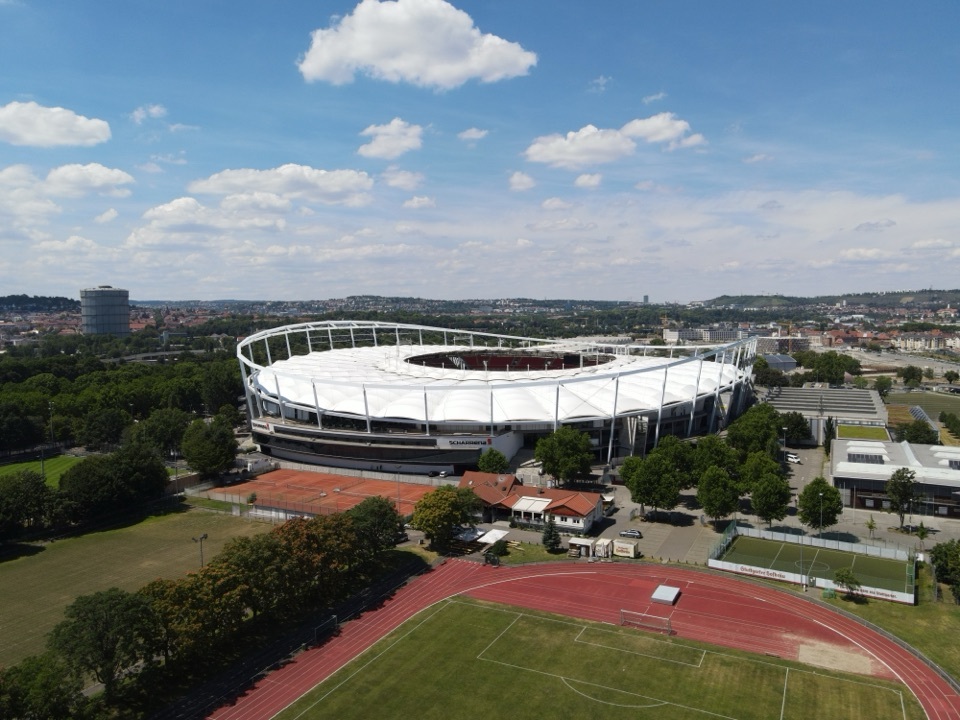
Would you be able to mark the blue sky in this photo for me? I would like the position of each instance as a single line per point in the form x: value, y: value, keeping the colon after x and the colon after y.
x: 544, y: 148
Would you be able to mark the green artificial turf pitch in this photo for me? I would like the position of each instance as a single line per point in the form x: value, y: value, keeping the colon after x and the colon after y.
x: 818, y: 562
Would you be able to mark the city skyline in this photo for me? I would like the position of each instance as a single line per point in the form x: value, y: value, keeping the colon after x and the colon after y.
x: 421, y: 148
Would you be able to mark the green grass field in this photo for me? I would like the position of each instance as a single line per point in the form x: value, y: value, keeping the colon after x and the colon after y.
x: 861, y: 432
x: 53, y: 467
x: 932, y: 402
x: 466, y: 659
x: 36, y: 587
x: 818, y: 562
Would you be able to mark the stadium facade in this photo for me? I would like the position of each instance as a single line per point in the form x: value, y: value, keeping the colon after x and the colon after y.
x: 411, y: 398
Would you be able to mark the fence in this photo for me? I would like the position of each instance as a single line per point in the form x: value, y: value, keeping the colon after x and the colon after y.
x: 858, y: 548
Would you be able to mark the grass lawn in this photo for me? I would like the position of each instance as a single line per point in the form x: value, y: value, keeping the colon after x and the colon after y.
x: 36, y: 586
x: 466, y: 659
x: 54, y: 467
x: 932, y: 402
x: 861, y: 432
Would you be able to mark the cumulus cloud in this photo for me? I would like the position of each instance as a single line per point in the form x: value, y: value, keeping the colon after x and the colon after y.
x: 428, y: 43
x: 875, y: 226
x: 33, y: 125
x: 297, y: 182
x: 392, y: 140
x: 647, y: 99
x: 402, y: 179
x: 78, y: 180
x: 588, y: 180
x: 105, y: 217
x: 521, y: 181
x: 472, y: 134
x: 147, y: 111
x: 555, y: 203
x: 862, y: 253
x: 932, y: 244
x: 420, y: 201
x: 593, y: 146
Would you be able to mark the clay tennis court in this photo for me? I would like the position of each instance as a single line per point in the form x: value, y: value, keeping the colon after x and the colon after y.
x: 313, y: 493
x: 712, y: 608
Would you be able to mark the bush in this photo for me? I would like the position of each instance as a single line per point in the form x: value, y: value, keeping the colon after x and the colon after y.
x: 499, y: 548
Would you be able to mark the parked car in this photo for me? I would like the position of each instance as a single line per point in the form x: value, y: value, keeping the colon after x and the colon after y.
x: 631, y: 533
x: 792, y: 458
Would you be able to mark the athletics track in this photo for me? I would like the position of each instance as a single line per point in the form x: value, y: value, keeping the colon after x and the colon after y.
x: 715, y: 609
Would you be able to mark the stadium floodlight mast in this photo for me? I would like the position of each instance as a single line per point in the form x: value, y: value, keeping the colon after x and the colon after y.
x: 200, y: 540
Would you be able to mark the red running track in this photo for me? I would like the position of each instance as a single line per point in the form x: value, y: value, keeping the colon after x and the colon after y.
x: 716, y: 609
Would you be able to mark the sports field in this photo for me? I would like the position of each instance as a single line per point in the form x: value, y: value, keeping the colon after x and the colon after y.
x: 53, y: 468
x: 36, y: 586
x: 820, y: 562
x: 466, y: 659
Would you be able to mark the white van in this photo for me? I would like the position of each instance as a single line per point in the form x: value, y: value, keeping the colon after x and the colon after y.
x: 793, y: 458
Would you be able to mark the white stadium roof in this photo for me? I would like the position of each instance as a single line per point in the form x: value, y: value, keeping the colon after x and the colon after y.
x: 386, y: 382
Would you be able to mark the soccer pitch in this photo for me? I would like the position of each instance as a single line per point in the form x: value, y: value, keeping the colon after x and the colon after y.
x: 467, y: 659
x: 818, y: 562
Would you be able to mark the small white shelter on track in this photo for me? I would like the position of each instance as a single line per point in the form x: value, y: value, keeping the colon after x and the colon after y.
x: 665, y: 595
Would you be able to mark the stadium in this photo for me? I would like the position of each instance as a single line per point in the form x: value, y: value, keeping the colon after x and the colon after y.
x: 417, y: 399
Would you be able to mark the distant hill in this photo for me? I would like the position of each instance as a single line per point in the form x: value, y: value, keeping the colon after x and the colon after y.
x: 899, y: 298
x: 36, y: 303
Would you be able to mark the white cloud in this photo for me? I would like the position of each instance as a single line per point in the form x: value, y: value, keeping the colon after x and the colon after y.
x: 428, y: 43
x: 256, y: 201
x: 147, y: 111
x: 592, y: 146
x: 588, y: 180
x: 555, y: 203
x: 932, y: 244
x: 77, y: 180
x: 566, y: 224
x: 181, y: 127
x: 297, y: 182
x: 402, y: 179
x: 472, y: 134
x: 663, y: 127
x: 758, y: 158
x: 861, y: 253
x: 599, y: 84
x: 106, y: 216
x: 392, y: 140
x: 521, y: 181
x: 420, y: 201
x: 653, y: 98
x: 37, y: 126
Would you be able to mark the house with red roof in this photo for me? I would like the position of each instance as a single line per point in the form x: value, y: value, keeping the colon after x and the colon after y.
x: 504, y: 497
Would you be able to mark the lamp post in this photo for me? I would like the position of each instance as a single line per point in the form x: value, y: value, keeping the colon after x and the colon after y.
x: 821, y: 515
x: 200, y: 540
x: 783, y: 453
x: 803, y: 578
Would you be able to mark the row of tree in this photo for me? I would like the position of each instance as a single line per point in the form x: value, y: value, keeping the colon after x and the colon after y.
x: 127, y: 639
x: 102, y: 486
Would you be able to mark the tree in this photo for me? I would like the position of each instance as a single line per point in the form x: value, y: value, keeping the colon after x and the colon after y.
x: 917, y: 432
x: 923, y: 532
x: 25, y: 503
x: 829, y: 433
x: 798, y: 428
x: 771, y: 498
x: 493, y: 461
x: 678, y: 455
x: 164, y: 429
x: 860, y: 382
x: 377, y: 523
x: 910, y: 373
x: 565, y: 454
x: 711, y: 451
x: 945, y: 557
x: 871, y: 526
x: 651, y: 481
x: 951, y: 376
x: 221, y: 384
x: 758, y: 429
x: 441, y: 513
x: 901, y: 491
x: 209, y: 448
x: 41, y: 687
x: 757, y: 465
x: 551, y: 536
x: 882, y: 385
x: 717, y: 493
x: 819, y: 504
x: 845, y: 578
x: 106, y: 634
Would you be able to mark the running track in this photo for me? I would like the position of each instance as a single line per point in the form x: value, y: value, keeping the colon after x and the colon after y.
x: 716, y: 609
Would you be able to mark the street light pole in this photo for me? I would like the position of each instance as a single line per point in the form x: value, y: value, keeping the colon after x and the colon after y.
x: 803, y: 578
x: 821, y: 515
x: 783, y: 452
x: 200, y: 540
